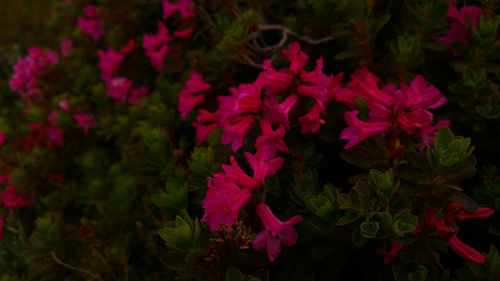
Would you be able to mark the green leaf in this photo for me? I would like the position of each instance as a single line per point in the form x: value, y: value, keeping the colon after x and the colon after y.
x: 376, y: 226
x: 234, y: 274
x: 382, y: 181
x: 356, y: 158
x: 369, y: 229
x: 433, y: 46
x: 179, y: 235
x: 378, y: 24
x: 409, y: 272
x: 488, y: 111
x: 348, y: 218
x: 358, y: 239
x: 322, y: 225
x: 443, y: 137
x: 473, y: 79
x: 362, y: 106
x: 351, y: 53
x: 404, y: 222
x: 321, y: 206
x: 175, y: 197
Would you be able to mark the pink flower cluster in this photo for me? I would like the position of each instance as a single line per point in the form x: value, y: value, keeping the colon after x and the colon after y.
x: 10, y: 198
x: 273, y: 100
x: 184, y: 7
x: 294, y: 86
x: 119, y: 88
x: 390, y: 109
x: 188, y: 101
x: 276, y: 102
x: 229, y: 191
x: 66, y: 47
x: 26, y: 71
x: 460, y: 23
x: 2, y: 138
x: 91, y: 24
x: 86, y: 121
x: 44, y: 134
x: 157, y: 45
x: 454, y: 212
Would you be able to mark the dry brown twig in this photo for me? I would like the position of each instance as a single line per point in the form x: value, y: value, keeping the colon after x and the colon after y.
x: 93, y: 274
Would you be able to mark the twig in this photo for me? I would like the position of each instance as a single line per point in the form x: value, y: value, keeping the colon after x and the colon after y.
x: 250, y: 62
x: 287, y: 30
x: 94, y: 275
x: 208, y: 22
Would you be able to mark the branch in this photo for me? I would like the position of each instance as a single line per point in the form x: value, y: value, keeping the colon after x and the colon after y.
x: 94, y: 275
x: 287, y: 31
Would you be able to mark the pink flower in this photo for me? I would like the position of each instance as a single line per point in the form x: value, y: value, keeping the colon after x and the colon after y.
x: 26, y: 70
x: 118, y: 88
x: 184, y: 33
x: 235, y: 133
x: 195, y: 83
x: 351, y: 91
x: 4, y: 179
x: 54, y: 136
x: 466, y: 14
x: 315, y: 84
x: 109, y: 62
x: 311, y: 121
x: 64, y: 105
x: 271, y: 141
x: 452, y: 213
x: 202, y: 131
x: 11, y: 198
x: 85, y: 121
x: 276, y: 232
x: 131, y: 45
x: 136, y: 95
x: 185, y: 7
x: 465, y: 251
x: 296, y: 58
x: 235, y: 174
x: 66, y: 47
x: 414, y: 122
x: 244, y: 100
x: 395, y: 248
x: 91, y: 27
x: 156, y: 45
x: 187, y: 101
x: 2, y: 138
x: 90, y: 11
x: 274, y: 81
x: 263, y: 167
x: 52, y: 118
x: 370, y: 91
x: 279, y: 112
x: 359, y: 130
x: 457, y: 34
x: 460, y: 25
x: 421, y: 96
x: 223, y: 202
